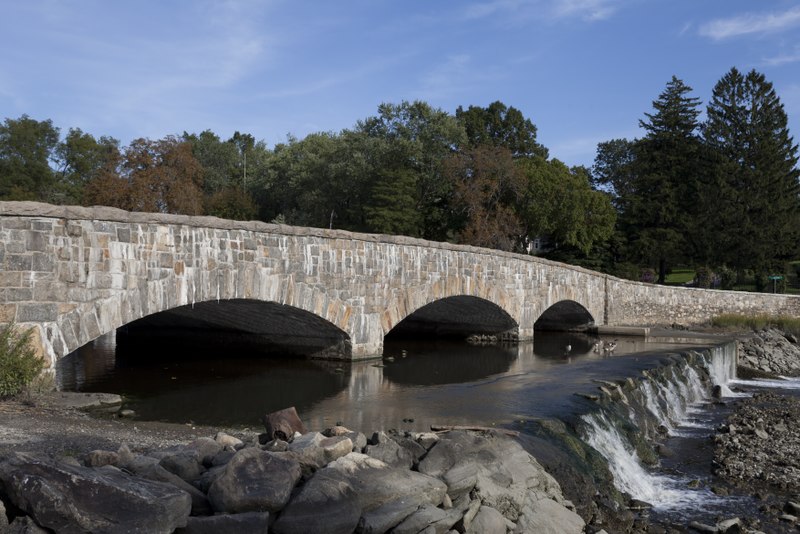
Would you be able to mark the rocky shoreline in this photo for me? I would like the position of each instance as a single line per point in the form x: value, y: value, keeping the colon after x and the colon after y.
x: 337, y: 481
x: 461, y: 481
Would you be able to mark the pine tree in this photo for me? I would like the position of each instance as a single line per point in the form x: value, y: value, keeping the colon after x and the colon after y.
x: 756, y: 204
x: 658, y: 216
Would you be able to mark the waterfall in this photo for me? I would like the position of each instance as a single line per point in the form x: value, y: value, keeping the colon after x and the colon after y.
x: 630, y: 476
x: 666, y: 396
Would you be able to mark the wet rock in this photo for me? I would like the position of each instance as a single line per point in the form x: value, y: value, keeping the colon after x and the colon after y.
x: 254, y: 481
x: 66, y: 498
x: 250, y: 522
x: 637, y: 505
x: 283, y: 424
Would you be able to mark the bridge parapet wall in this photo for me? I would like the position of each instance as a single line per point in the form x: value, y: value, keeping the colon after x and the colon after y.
x: 639, y: 304
x: 77, y: 273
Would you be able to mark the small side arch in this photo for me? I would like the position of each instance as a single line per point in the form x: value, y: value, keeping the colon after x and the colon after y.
x: 565, y: 315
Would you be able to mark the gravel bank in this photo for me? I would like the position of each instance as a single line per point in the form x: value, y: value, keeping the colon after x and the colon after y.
x: 48, y: 424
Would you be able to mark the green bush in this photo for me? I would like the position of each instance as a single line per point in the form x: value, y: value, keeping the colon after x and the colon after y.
x: 19, y: 363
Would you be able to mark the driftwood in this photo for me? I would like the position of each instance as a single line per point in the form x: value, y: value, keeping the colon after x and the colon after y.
x: 448, y: 428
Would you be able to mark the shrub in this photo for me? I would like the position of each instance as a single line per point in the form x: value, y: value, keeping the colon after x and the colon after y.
x: 703, y: 277
x: 19, y: 363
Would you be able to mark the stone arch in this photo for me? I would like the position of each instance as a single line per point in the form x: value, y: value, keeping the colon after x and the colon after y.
x: 454, y: 316
x: 180, y: 286
x: 249, y: 324
x: 564, y: 315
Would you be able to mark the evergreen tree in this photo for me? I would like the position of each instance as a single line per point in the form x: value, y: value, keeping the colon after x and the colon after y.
x: 659, y: 211
x: 756, y: 175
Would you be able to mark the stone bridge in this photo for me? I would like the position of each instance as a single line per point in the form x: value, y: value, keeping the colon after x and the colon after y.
x: 77, y: 273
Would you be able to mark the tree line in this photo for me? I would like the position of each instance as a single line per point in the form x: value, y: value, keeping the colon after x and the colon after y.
x: 721, y: 194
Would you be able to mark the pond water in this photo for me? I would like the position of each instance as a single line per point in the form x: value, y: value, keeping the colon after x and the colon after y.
x: 425, y: 381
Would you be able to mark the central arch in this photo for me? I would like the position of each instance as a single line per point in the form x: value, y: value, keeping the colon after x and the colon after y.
x: 457, y: 316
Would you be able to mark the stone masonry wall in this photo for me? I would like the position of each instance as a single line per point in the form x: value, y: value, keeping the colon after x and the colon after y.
x: 77, y: 273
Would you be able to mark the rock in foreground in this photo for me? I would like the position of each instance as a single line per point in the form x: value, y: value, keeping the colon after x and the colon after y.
x: 460, y: 480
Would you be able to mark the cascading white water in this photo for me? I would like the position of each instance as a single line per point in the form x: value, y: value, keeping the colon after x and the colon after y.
x: 722, y: 367
x: 669, y: 399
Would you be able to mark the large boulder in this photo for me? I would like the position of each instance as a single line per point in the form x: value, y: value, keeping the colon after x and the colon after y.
x: 67, y: 498
x: 546, y: 516
x: 358, y: 492
x: 150, y: 468
x: 254, y: 481
x: 326, y: 503
x: 495, y: 469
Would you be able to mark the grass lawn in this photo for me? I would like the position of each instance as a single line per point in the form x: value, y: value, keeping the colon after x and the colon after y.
x: 679, y: 277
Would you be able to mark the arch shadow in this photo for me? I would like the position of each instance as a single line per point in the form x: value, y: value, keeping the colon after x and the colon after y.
x: 455, y: 317
x: 565, y: 316
x: 240, y: 325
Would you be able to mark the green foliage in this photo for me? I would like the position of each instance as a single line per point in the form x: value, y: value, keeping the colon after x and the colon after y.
x: 501, y: 126
x: 19, y: 363
x: 756, y: 176
x: 27, y: 147
x: 703, y: 277
x: 393, y: 205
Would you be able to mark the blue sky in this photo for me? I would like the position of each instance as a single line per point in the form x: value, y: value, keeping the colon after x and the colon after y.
x: 583, y: 71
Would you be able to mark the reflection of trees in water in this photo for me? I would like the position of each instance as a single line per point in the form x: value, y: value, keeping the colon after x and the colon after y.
x: 444, y: 363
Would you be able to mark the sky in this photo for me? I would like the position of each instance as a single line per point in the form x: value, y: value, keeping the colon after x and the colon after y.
x: 584, y: 71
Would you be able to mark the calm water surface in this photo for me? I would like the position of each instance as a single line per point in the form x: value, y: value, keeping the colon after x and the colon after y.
x: 417, y: 384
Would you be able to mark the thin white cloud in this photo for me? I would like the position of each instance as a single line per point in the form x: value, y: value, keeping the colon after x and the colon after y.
x: 783, y: 59
x: 751, y: 23
x: 548, y: 10
x: 590, y: 10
